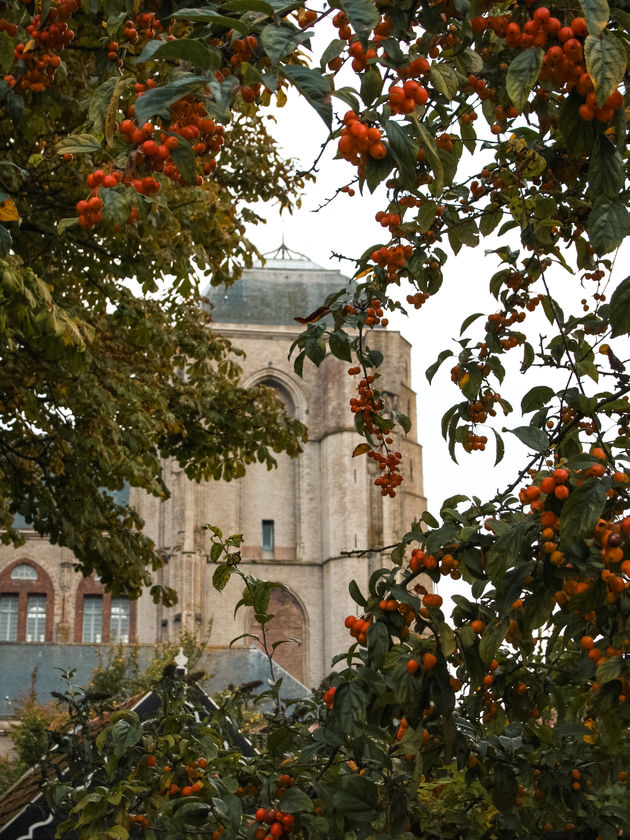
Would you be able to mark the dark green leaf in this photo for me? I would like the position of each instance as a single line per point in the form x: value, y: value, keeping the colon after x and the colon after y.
x: 350, y: 706
x: 339, y: 344
x: 295, y: 801
x: 620, y: 309
x: 596, y: 13
x: 433, y: 369
x: 355, y: 594
x: 581, y: 510
x: 362, y: 14
x: 606, y: 63
x: 491, y: 639
x: 444, y: 79
x: 522, y: 73
x: 356, y: 796
x: 185, y: 160
x: 371, y: 85
x: 314, y: 87
x: 536, y: 398
x: 249, y: 6
x: 608, y: 225
x: 157, y: 100
x: 532, y: 437
x: 211, y: 17
x: 281, y: 39
x: 378, y: 643
x: 182, y: 49
x: 606, y: 172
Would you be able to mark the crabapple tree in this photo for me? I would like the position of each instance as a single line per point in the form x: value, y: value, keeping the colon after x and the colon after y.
x: 510, y: 717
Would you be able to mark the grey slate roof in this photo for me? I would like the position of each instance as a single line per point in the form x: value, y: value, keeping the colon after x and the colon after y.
x: 224, y: 667
x: 287, y: 286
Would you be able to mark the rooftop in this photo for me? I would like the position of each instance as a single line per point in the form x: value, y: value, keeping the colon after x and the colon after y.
x: 286, y: 286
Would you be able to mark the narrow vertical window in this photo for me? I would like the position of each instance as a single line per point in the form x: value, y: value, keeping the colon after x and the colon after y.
x: 36, y: 618
x: 8, y: 618
x: 119, y: 621
x: 92, y: 619
x: 267, y: 535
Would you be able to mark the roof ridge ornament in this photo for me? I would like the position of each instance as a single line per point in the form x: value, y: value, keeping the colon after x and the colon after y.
x: 283, y: 252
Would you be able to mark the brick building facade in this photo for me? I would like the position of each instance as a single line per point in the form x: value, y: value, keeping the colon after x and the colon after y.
x: 297, y: 521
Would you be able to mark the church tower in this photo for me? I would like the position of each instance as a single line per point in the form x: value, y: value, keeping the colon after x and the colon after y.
x: 299, y: 520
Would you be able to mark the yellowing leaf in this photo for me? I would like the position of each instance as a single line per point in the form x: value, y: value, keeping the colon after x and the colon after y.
x: 361, y: 449
x: 8, y: 211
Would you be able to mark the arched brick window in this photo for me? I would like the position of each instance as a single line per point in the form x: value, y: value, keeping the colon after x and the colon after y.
x: 27, y: 600
x: 101, y: 619
x: 289, y: 622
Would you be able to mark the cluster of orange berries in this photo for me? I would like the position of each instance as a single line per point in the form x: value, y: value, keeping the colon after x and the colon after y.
x: 418, y: 299
x: 306, y: 17
x: 358, y: 628
x: 391, y: 605
x: 404, y: 99
x: 140, y: 819
x: 374, y: 314
x: 147, y: 22
x: 360, y: 57
x: 388, y: 464
x: 479, y: 410
x: 194, y: 771
x: 36, y: 64
x: 388, y: 220
x: 392, y: 259
x: 429, y: 661
x: 368, y: 405
x: 10, y: 28
x: 358, y: 139
x: 280, y: 824
x: 474, y: 442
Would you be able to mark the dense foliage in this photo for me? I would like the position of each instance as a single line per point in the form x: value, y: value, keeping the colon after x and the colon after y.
x: 109, y: 363
x: 510, y: 718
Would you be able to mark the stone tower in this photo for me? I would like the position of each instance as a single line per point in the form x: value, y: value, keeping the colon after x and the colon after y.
x: 298, y: 520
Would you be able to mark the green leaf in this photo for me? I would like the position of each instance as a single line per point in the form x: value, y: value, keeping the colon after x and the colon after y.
x: 433, y: 369
x: 211, y: 17
x: 491, y: 639
x: 444, y: 80
x: 609, y: 670
x: 339, y: 344
x: 403, y: 149
x: 581, y: 510
x: 606, y: 63
x: 334, y: 49
x: 378, y: 643
x: 536, y: 398
x: 350, y: 705
x: 608, y: 225
x: 182, y: 49
x: 115, y: 205
x: 185, y: 160
x: 78, y: 144
x: 433, y: 159
x: 355, y: 594
x: 221, y: 576
x: 281, y: 39
x: 371, y: 85
x: 157, y: 100
x: 356, y: 796
x: 249, y: 6
x: 531, y: 436
x: 596, y: 13
x: 522, y: 74
x: 362, y: 14
x: 620, y: 309
x: 295, y: 801
x: 64, y: 224
x: 314, y: 86
x: 606, y: 171
x: 468, y: 321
